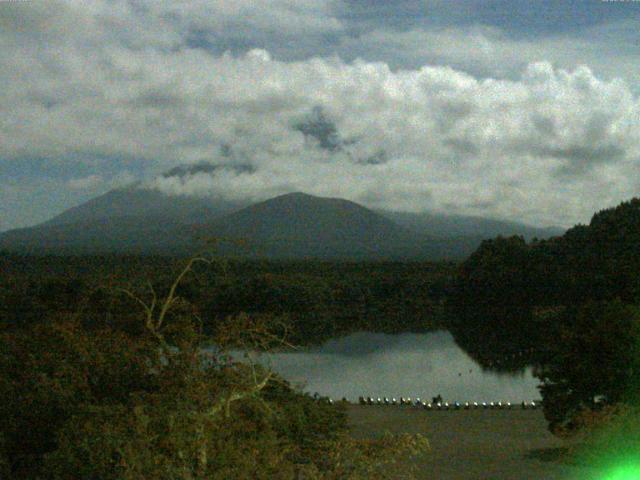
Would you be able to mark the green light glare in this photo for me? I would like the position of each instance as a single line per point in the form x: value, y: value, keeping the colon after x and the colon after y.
x: 624, y: 472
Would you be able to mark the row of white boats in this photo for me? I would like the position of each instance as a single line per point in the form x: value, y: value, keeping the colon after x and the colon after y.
x: 407, y: 401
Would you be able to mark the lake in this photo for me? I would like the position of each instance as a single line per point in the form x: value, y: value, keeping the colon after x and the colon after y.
x: 409, y: 364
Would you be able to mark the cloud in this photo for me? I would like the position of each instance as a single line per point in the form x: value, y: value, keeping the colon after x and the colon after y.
x: 203, y: 179
x: 446, y: 139
x: 182, y: 171
x: 495, y: 136
x: 289, y: 17
x: 489, y: 51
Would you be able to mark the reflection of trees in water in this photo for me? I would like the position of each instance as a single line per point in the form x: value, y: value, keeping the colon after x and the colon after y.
x: 497, y: 353
x: 420, y: 365
x: 492, y: 306
x: 567, y: 305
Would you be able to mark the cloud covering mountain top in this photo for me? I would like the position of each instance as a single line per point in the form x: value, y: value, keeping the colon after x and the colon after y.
x: 531, y: 148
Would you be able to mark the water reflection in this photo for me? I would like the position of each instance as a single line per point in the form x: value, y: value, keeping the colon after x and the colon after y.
x: 415, y: 365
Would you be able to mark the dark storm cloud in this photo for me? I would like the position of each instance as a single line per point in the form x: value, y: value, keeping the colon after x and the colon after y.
x: 318, y: 127
x: 579, y: 159
x: 156, y: 98
x: 209, y: 169
x: 378, y: 158
x: 324, y: 133
x: 461, y: 147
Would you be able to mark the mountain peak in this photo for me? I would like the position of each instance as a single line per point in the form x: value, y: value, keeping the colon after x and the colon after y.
x: 308, y: 199
x: 293, y: 225
x: 306, y: 226
x: 300, y: 196
x: 295, y: 195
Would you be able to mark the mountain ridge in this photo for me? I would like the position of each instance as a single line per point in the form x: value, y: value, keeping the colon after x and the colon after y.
x: 292, y: 225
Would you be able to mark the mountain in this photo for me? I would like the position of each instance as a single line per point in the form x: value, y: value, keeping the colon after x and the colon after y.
x: 296, y: 225
x: 289, y: 226
x: 124, y: 234
x: 127, y: 220
x: 136, y: 202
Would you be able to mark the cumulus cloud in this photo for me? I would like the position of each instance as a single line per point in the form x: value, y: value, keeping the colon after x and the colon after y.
x: 545, y: 145
x: 451, y: 142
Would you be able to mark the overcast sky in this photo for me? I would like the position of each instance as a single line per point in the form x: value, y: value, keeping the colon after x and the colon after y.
x: 519, y: 110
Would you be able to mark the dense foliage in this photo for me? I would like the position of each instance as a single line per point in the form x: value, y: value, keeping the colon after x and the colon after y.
x: 567, y: 305
x: 104, y: 394
x: 594, y: 361
x: 493, y: 303
x: 319, y: 300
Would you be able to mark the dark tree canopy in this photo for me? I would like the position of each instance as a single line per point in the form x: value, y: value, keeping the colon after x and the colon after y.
x: 568, y: 303
x: 595, y: 360
x: 492, y: 301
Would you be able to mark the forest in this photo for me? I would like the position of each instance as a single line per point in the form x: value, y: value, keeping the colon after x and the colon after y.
x: 103, y: 375
x: 317, y: 300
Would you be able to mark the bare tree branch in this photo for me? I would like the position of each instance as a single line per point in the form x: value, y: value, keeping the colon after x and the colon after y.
x: 153, y: 323
x: 225, y: 402
x: 130, y: 294
x: 247, y: 333
x: 171, y: 298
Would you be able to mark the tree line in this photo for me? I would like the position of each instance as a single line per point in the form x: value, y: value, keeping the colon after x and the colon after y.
x: 317, y: 300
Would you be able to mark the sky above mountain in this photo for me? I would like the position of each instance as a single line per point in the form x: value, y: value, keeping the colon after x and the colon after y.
x: 519, y: 110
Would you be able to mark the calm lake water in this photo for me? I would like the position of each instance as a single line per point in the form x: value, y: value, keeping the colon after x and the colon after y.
x: 408, y: 364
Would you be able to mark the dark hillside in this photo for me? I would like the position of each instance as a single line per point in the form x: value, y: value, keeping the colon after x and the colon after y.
x: 297, y: 225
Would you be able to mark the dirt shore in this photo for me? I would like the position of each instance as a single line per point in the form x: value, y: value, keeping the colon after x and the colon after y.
x: 474, y: 444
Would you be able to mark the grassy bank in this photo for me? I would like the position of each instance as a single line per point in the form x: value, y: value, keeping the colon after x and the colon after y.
x: 473, y: 444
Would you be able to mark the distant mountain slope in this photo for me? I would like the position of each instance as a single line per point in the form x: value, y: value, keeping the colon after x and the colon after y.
x: 448, y: 226
x: 133, y: 201
x: 297, y: 225
x: 108, y: 235
x: 125, y: 220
